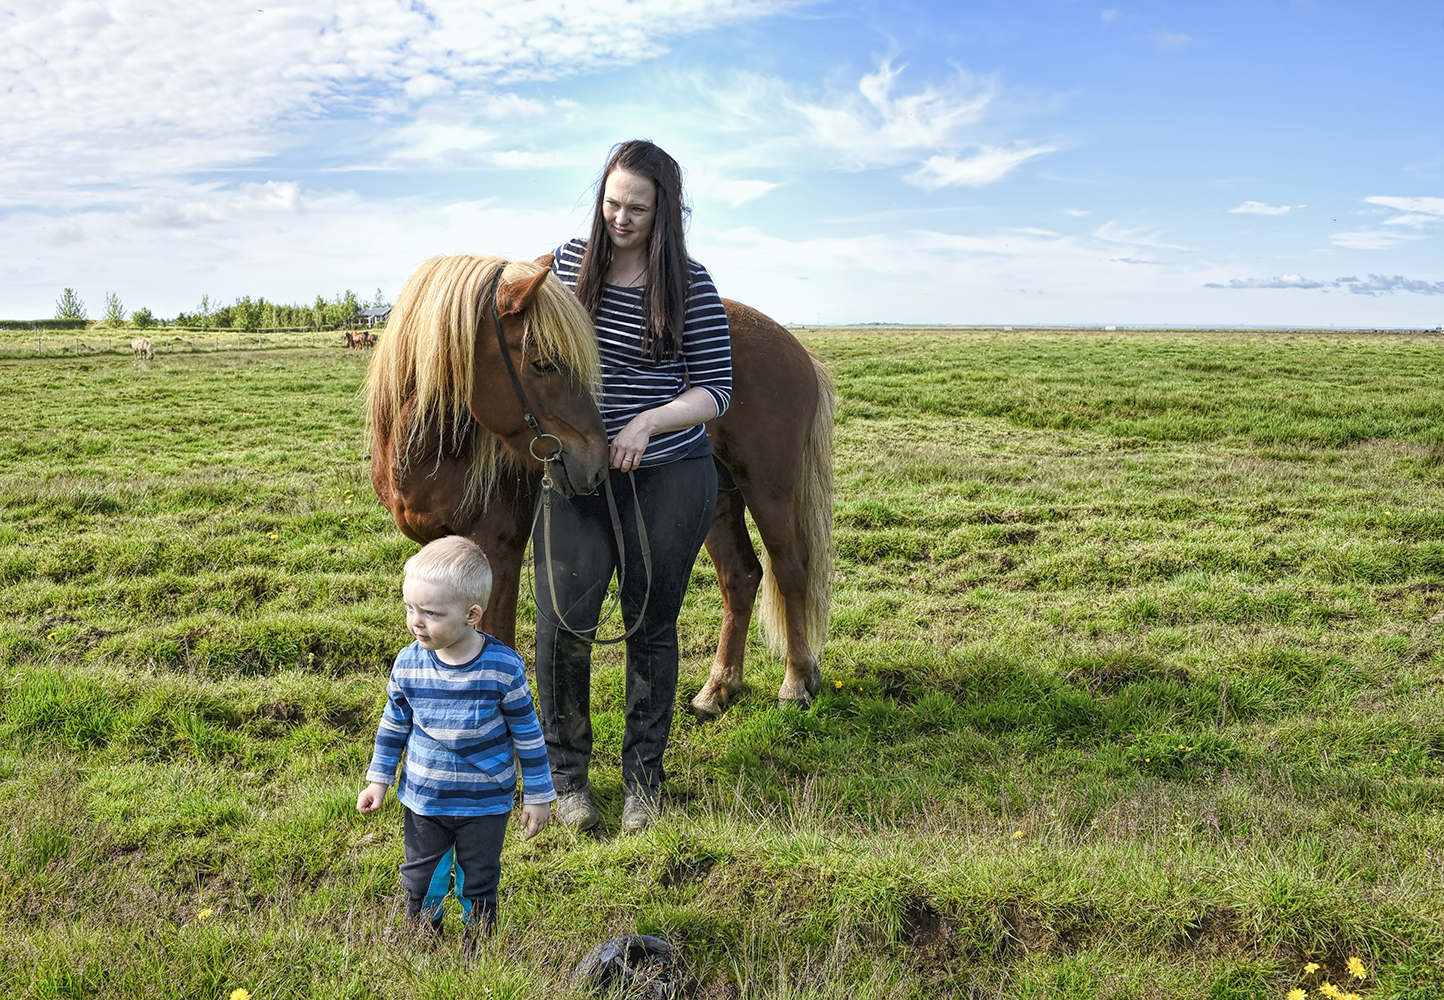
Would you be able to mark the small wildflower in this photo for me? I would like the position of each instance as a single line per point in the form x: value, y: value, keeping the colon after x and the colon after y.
x: 205, y: 914
x: 837, y: 684
x: 345, y: 519
x: 1017, y: 834
x: 1328, y: 989
x: 1312, y: 967
x: 1356, y: 967
x: 348, y: 499
x: 240, y: 995
x: 1182, y: 747
x: 1147, y: 759
x: 1297, y: 994
x: 272, y: 534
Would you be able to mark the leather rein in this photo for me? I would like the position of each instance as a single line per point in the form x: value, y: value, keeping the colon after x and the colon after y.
x: 549, y: 497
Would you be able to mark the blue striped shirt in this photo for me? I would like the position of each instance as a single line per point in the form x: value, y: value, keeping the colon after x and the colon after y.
x: 633, y: 382
x: 464, y: 731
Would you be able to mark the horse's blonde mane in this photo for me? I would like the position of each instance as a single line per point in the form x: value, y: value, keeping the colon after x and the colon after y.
x: 429, y: 351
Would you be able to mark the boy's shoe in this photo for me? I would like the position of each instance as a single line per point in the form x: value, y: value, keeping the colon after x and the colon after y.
x: 575, y: 809
x: 641, y: 804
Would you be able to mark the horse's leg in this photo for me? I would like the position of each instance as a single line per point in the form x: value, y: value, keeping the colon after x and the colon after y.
x: 777, y: 523
x: 738, y: 575
x: 502, y: 531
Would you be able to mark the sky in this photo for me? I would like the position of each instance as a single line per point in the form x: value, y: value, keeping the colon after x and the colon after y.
x: 1269, y: 162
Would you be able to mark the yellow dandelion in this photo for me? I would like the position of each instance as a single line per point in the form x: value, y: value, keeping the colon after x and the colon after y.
x: 240, y: 995
x: 204, y: 914
x: 1181, y: 747
x: 345, y: 519
x: 1356, y: 967
x: 348, y: 499
x: 1147, y: 759
x: 1312, y: 967
x: 1017, y: 834
x: 272, y: 534
x: 1350, y: 996
x: 1297, y: 994
x: 1328, y: 989
x: 837, y: 684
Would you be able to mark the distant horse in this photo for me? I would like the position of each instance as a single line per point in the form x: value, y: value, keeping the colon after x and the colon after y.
x: 142, y: 348
x: 441, y: 472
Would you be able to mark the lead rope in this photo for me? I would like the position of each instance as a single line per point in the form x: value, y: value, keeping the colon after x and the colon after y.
x: 545, y: 513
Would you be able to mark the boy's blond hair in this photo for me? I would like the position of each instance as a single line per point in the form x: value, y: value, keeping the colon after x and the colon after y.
x: 457, y: 563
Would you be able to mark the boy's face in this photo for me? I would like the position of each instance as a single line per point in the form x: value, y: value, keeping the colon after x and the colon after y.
x: 437, y: 617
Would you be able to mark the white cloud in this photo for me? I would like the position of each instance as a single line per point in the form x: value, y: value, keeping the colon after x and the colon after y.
x: 106, y: 95
x: 250, y: 201
x: 1260, y: 208
x: 735, y: 191
x: 873, y: 128
x: 1076, y: 211
x: 1375, y: 285
x: 1109, y: 15
x: 1171, y: 39
x: 990, y: 164
x: 1282, y: 281
x: 1370, y: 239
x: 1113, y: 233
x: 1417, y: 211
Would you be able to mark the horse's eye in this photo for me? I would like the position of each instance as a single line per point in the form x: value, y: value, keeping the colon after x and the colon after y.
x: 543, y: 367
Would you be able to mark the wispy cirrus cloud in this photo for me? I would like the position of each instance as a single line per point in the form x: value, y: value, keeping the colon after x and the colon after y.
x: 878, y: 124
x: 1417, y: 211
x: 1162, y: 39
x: 1261, y: 208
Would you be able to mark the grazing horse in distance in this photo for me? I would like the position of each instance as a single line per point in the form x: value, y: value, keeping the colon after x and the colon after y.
x: 443, y: 470
x: 142, y: 349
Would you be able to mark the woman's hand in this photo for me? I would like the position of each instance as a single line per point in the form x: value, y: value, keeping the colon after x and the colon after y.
x: 693, y: 407
x: 631, y: 442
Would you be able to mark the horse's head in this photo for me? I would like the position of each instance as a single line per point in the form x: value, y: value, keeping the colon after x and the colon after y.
x: 548, y: 338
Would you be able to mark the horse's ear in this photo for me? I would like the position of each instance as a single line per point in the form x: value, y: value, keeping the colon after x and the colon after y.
x: 513, y: 296
x: 546, y: 260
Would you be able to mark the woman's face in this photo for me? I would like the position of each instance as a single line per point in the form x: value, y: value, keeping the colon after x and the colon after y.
x: 629, y: 202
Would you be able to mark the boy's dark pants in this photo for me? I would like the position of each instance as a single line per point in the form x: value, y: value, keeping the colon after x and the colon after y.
x: 426, y: 876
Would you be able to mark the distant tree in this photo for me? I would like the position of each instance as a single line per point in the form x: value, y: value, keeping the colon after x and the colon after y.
x: 379, y: 302
x: 142, y: 318
x: 114, y: 311
x: 246, y: 314
x: 69, y: 306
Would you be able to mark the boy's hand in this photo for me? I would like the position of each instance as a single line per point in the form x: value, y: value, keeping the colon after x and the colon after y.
x: 370, y: 798
x: 534, y: 818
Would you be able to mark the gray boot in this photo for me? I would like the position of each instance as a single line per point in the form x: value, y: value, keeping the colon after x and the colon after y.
x: 641, y: 805
x: 575, y: 809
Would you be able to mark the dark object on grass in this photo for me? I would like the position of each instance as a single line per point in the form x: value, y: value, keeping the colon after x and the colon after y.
x: 640, y: 964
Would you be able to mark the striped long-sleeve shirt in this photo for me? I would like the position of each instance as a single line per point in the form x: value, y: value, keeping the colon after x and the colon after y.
x: 464, y: 731
x: 633, y: 382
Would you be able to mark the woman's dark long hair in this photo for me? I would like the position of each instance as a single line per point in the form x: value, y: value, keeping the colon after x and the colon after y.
x: 664, y: 297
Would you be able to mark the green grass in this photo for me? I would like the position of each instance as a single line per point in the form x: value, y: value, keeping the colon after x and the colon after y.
x: 1134, y: 690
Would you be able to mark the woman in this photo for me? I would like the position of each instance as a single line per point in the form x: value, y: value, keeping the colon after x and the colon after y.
x: 666, y: 369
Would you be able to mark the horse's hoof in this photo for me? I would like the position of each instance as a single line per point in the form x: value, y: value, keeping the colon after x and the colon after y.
x: 802, y: 703
x: 705, y: 709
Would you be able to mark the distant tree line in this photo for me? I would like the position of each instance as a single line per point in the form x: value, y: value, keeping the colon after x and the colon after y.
x: 245, y: 313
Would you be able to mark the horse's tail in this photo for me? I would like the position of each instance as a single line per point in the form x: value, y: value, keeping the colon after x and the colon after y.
x: 812, y: 507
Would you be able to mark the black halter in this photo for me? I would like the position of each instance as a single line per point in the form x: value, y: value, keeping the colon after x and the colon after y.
x: 531, y: 420
x: 544, y: 511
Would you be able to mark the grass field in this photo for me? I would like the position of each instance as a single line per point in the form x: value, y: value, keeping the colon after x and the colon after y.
x: 1134, y: 689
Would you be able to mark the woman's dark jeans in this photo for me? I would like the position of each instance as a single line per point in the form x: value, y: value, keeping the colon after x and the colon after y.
x: 677, y: 500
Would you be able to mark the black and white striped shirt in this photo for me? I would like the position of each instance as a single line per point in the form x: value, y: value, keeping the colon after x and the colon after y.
x: 633, y: 382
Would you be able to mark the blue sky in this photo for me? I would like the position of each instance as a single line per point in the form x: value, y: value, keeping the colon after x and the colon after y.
x: 1032, y: 161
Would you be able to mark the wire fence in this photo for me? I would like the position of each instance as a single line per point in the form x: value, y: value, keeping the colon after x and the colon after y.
x: 165, y: 340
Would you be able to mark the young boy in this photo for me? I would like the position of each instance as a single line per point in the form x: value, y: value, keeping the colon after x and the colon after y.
x: 458, y: 706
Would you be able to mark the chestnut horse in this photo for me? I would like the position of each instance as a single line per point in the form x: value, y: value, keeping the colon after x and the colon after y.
x: 449, y: 474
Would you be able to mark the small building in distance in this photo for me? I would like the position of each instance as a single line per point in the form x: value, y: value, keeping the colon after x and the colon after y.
x: 376, y: 316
